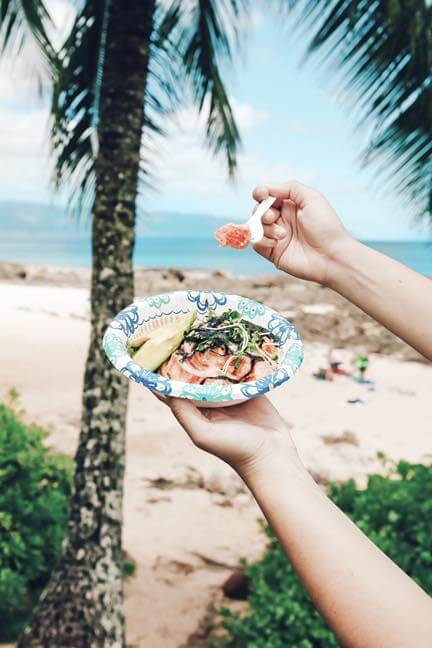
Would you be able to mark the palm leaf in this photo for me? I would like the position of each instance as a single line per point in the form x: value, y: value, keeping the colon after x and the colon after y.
x: 383, y: 50
x: 22, y: 19
x: 75, y: 103
x: 204, y: 36
x: 23, y: 24
x: 162, y: 95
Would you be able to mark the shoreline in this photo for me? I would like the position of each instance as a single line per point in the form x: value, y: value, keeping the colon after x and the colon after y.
x: 189, y: 251
x: 317, y: 312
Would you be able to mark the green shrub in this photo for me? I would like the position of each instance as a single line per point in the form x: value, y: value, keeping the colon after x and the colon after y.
x: 34, y: 493
x: 394, y: 510
x: 129, y: 565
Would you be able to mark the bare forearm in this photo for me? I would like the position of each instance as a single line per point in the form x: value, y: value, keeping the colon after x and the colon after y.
x: 391, y: 293
x: 366, y: 599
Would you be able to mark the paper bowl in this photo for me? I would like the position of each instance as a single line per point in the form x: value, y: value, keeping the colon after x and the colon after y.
x: 148, y: 313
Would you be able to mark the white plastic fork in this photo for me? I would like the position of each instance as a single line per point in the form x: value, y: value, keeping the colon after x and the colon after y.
x: 255, y: 221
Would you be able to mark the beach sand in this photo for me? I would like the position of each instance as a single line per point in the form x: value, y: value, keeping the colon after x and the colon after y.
x: 188, y: 518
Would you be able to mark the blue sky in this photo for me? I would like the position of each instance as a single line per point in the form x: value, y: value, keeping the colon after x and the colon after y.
x: 292, y: 122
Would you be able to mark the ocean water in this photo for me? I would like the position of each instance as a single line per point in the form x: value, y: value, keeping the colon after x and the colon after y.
x: 157, y: 251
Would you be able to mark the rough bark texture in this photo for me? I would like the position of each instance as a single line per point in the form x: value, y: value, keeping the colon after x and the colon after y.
x: 82, y: 605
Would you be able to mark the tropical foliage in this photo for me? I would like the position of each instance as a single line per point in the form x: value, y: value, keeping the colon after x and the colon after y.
x: 34, y: 495
x: 23, y: 21
x: 382, y: 53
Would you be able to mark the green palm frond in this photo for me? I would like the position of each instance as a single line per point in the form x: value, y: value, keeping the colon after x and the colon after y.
x: 75, y: 102
x: 164, y: 82
x: 22, y: 21
x: 383, y: 49
x: 161, y: 96
x: 205, y: 37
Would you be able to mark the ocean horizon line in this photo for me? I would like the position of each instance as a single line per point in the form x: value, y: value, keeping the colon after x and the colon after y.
x: 23, y: 234
x: 155, y: 251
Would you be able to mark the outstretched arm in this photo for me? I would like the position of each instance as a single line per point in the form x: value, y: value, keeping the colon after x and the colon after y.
x: 305, y: 238
x: 388, y: 291
x: 366, y: 599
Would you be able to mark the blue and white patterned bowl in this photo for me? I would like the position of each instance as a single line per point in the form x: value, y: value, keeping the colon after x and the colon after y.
x: 147, y: 314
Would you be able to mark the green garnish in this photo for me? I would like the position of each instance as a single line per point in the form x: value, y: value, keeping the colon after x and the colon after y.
x: 238, y: 361
x: 231, y: 332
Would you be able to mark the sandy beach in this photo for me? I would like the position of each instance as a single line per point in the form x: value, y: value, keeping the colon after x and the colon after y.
x: 188, y: 518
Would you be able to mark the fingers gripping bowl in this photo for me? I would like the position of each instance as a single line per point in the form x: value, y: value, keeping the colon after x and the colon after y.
x: 201, y: 317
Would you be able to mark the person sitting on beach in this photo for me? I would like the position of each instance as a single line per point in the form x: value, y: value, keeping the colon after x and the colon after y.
x: 335, y: 362
x: 323, y: 374
x: 367, y: 599
x: 334, y: 367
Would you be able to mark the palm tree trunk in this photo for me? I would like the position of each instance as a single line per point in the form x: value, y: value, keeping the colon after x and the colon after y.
x: 83, y: 603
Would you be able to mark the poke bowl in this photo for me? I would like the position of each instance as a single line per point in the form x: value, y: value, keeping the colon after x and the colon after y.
x: 213, y: 348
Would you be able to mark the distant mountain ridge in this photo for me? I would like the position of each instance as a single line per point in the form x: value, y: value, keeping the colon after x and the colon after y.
x: 48, y: 235
x: 25, y: 220
x: 34, y: 219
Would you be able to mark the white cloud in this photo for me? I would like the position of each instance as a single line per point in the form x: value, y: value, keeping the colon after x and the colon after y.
x: 183, y: 163
x: 16, y: 90
x: 24, y: 157
x: 185, y: 170
x: 250, y: 20
x: 247, y: 116
x: 62, y: 13
x: 23, y: 75
x: 189, y: 120
x: 24, y: 112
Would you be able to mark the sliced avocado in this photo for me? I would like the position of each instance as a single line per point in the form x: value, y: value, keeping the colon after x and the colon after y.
x: 139, y: 341
x: 162, y: 331
x: 162, y: 342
